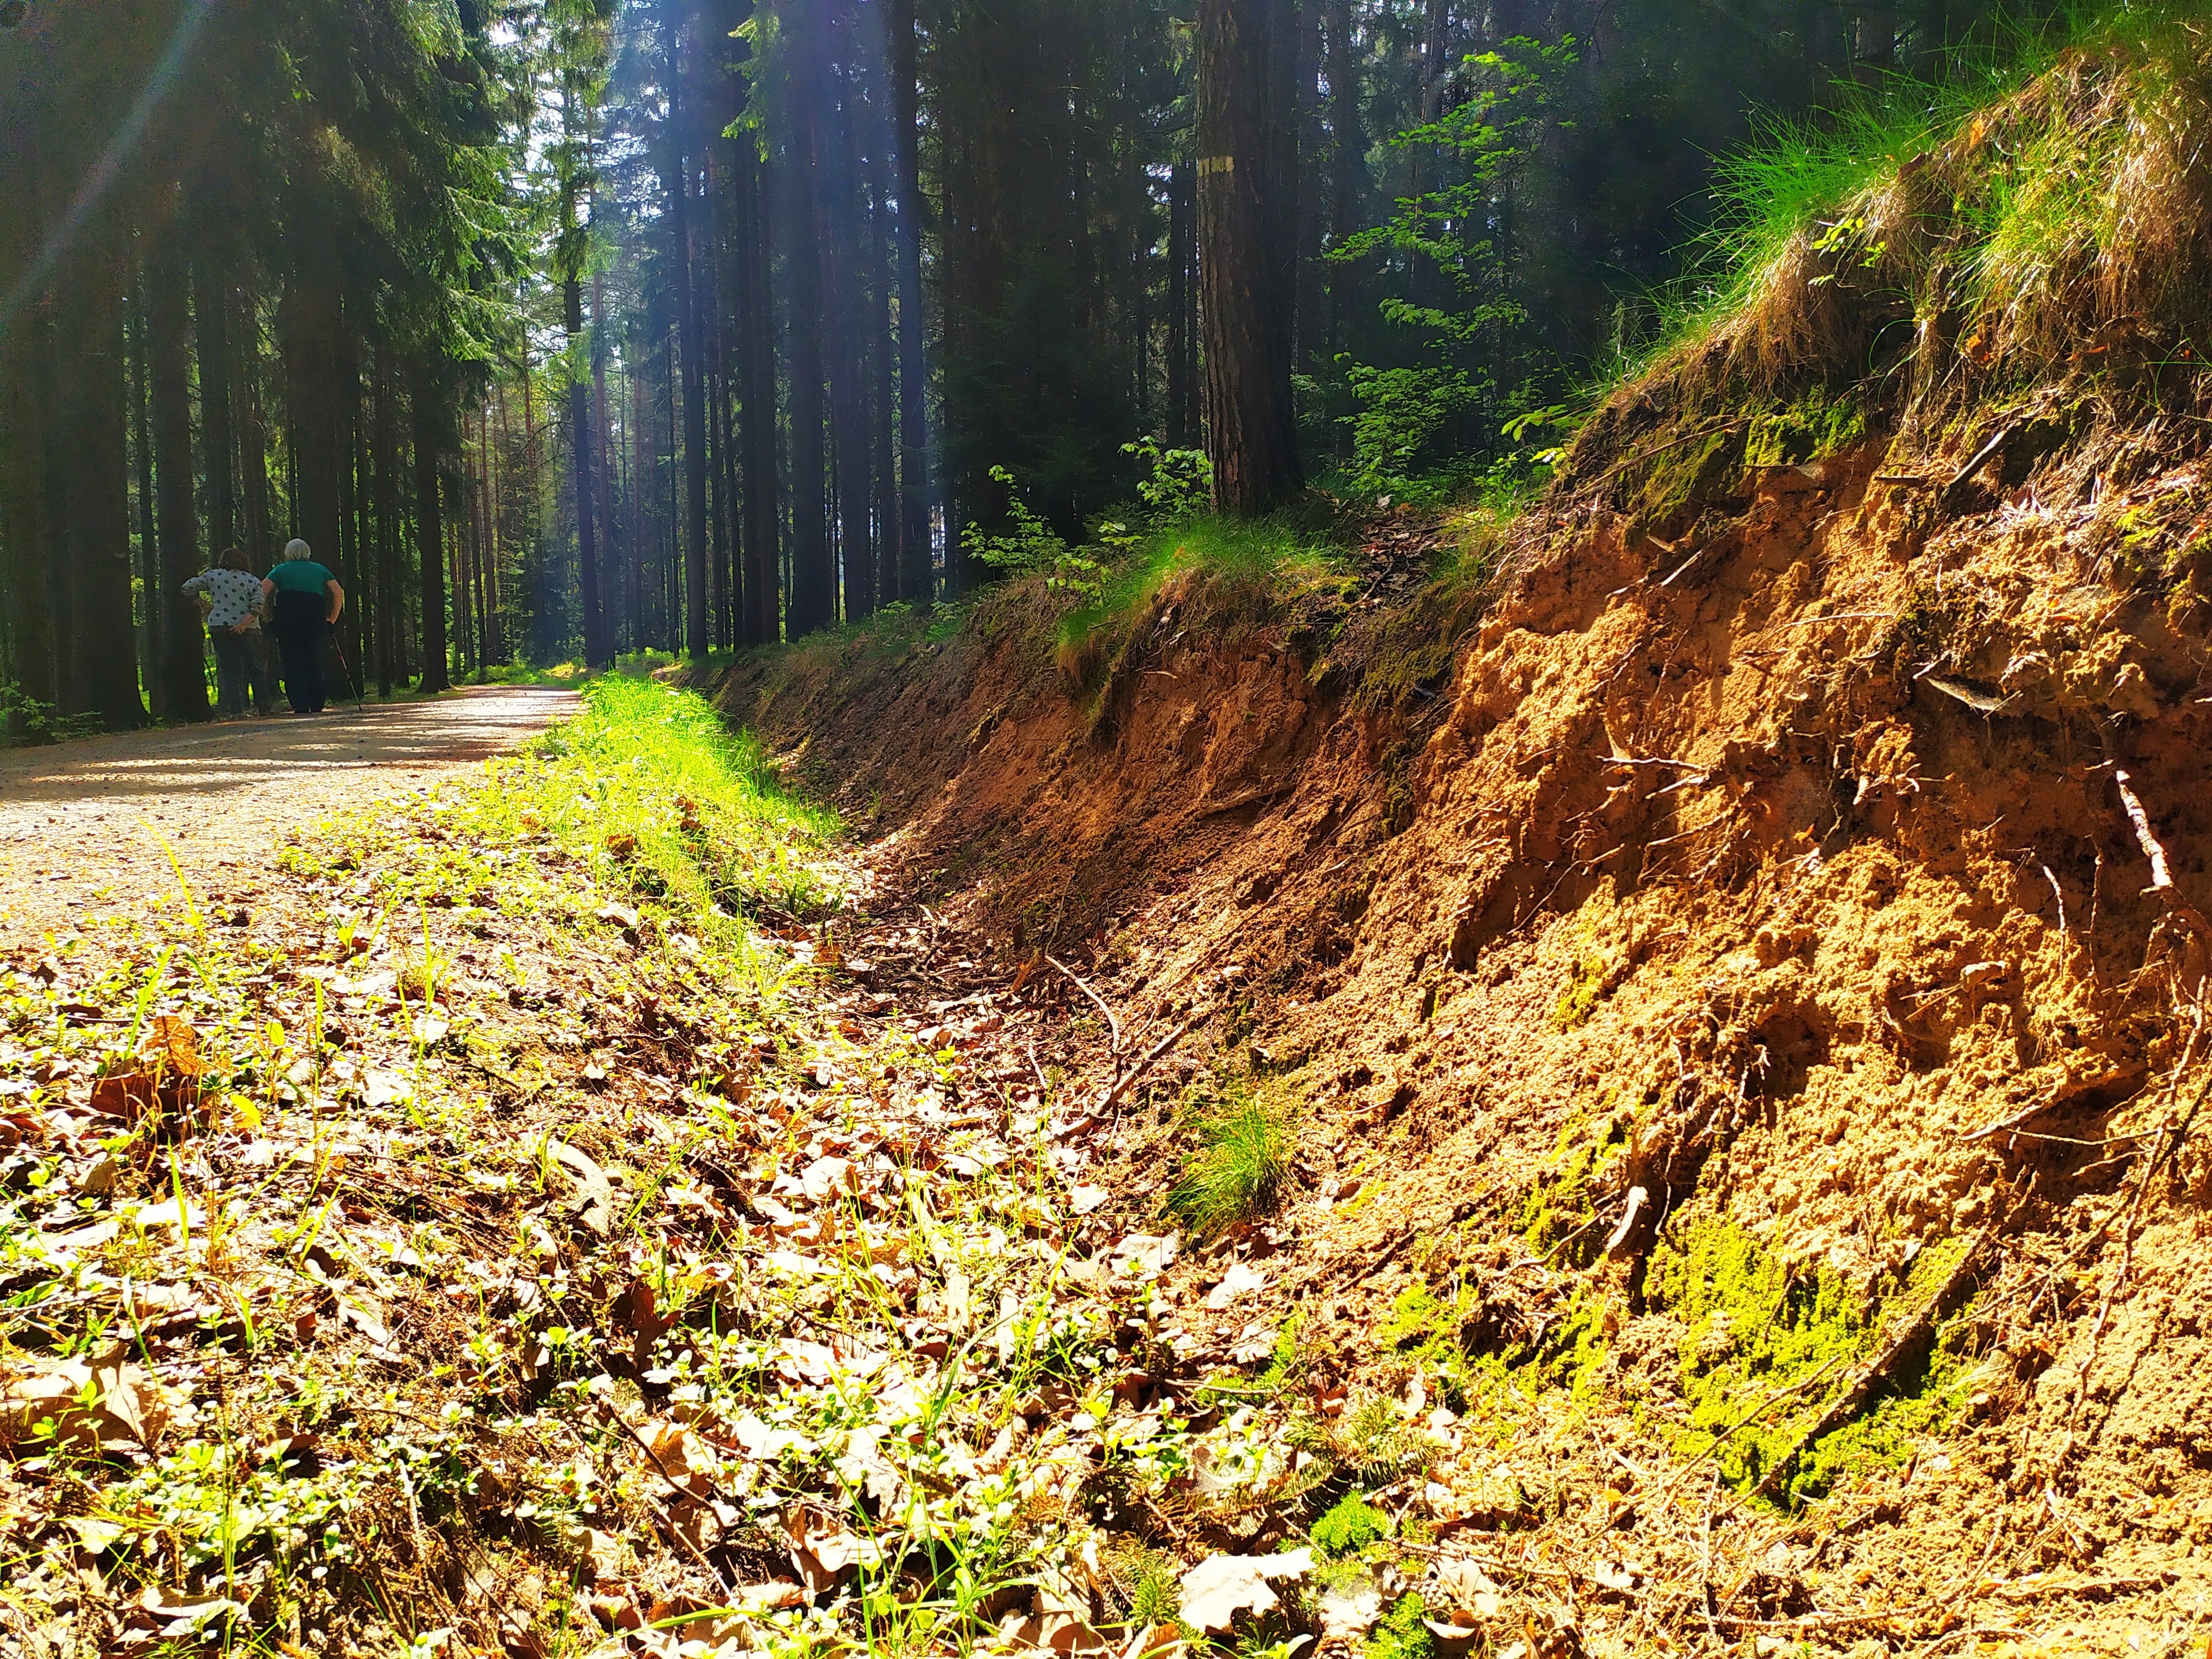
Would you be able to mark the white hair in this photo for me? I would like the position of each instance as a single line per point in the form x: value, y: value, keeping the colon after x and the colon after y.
x: 296, y: 549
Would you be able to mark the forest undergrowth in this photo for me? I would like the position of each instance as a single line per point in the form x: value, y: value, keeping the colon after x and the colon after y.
x: 564, y: 1219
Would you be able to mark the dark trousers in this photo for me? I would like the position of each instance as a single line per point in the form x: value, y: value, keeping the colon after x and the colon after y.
x: 300, y: 641
x: 230, y: 672
x: 261, y: 668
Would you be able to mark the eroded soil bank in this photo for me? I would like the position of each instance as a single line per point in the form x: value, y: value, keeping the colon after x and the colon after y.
x: 1742, y: 1019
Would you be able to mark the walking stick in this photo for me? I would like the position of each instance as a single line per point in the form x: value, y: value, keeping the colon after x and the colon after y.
x: 352, y: 683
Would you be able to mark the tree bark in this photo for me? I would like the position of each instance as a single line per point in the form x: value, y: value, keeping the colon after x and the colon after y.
x: 26, y: 524
x: 596, y: 653
x: 812, y: 594
x: 1247, y: 276
x: 764, y: 504
x: 429, y: 524
x: 89, y: 390
x: 1349, y: 172
x: 211, y: 303
x: 916, y: 498
x: 1183, y: 427
x: 146, y: 566
x: 180, y: 655
x: 678, y: 181
x: 310, y: 327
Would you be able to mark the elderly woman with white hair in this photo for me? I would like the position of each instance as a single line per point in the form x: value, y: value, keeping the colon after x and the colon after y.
x: 308, y: 600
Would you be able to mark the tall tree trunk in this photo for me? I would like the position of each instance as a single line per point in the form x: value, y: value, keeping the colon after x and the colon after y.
x: 722, y: 493
x: 729, y: 603
x: 763, y: 523
x: 211, y: 302
x: 612, y: 560
x: 310, y: 326
x: 812, y: 594
x: 1246, y: 269
x: 596, y: 653
x: 678, y: 180
x: 429, y: 413
x: 883, y: 362
x: 1307, y: 147
x: 1182, y: 307
x: 89, y: 392
x: 384, y: 464
x: 1348, y: 173
x: 26, y: 528
x: 147, y: 566
x: 254, y: 435
x: 916, y: 497
x: 180, y: 656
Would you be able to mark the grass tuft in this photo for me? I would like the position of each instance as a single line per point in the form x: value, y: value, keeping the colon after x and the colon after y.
x: 1238, y: 1171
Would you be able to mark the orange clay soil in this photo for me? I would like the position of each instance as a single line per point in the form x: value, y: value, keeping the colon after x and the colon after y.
x: 1686, y: 945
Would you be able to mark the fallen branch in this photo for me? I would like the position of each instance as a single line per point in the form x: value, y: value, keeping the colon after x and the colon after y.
x: 1082, y: 985
x: 1981, y: 458
x: 1143, y: 1064
x: 2026, y: 1115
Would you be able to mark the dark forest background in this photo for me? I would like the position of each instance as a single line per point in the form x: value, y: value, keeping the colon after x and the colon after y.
x: 569, y: 328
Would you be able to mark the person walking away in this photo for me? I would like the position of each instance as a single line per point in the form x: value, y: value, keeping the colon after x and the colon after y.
x: 307, y: 599
x: 261, y: 654
x: 232, y: 594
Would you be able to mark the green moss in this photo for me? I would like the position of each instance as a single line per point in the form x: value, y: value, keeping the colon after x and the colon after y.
x: 1585, y: 990
x: 1349, y: 1526
x: 1765, y: 1347
x: 1556, y: 1204
x: 1814, y: 426
x: 1689, y: 471
x: 1399, y: 1634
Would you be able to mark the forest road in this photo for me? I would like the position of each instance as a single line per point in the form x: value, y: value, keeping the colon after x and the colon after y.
x: 87, y: 828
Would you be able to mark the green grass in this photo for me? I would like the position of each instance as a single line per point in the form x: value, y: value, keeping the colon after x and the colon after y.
x: 1243, y: 1160
x: 1236, y: 561
x: 648, y: 779
x: 1797, y: 175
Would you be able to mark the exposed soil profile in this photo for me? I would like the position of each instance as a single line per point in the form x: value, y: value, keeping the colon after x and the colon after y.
x: 1743, y: 988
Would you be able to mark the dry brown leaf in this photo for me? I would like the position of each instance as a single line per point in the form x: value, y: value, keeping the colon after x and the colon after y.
x: 1220, y: 1586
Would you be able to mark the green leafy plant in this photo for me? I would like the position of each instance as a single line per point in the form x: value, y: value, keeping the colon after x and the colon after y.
x: 1180, y: 485
x: 1032, y: 548
x: 1400, y: 1633
x: 1350, y: 1525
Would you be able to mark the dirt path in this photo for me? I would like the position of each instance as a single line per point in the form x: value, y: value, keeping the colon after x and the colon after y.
x: 82, y: 827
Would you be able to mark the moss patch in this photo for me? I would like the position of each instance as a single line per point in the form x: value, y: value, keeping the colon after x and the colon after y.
x: 1765, y: 1346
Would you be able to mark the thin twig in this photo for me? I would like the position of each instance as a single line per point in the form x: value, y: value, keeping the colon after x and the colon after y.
x: 1082, y: 985
x: 1142, y: 1065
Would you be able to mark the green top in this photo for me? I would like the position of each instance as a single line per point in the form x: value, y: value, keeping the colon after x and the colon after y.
x: 300, y: 576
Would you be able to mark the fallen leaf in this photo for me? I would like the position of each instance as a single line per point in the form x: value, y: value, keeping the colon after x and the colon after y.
x: 1350, y: 1611
x: 1141, y: 1253
x: 1615, y: 1575
x: 766, y: 1598
x: 186, y: 1615
x: 1220, y: 1586
x: 1240, y: 1279
x: 175, y: 1045
x: 168, y: 1215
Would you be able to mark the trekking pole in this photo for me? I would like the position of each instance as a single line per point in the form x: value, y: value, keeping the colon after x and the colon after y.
x: 352, y: 683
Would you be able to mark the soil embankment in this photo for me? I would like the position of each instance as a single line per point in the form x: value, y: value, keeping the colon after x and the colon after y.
x: 1751, y: 916
x: 1746, y: 1009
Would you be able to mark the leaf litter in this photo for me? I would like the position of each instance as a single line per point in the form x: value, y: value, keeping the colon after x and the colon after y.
x: 501, y: 1246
